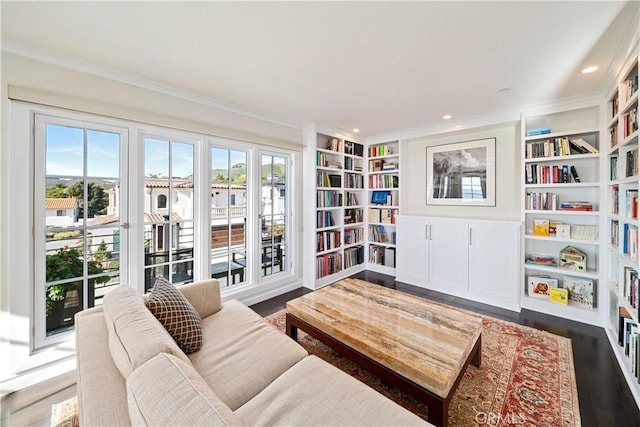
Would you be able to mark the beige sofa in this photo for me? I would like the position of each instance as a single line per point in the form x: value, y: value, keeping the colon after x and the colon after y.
x: 131, y: 372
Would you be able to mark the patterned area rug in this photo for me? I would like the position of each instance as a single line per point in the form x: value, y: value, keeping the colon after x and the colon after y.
x: 526, y: 378
x: 65, y: 414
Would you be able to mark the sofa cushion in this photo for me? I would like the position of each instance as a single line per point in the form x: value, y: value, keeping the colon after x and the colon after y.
x: 135, y: 336
x: 204, y: 296
x: 176, y: 314
x: 102, y: 396
x: 315, y: 393
x: 242, y: 354
x: 166, y: 391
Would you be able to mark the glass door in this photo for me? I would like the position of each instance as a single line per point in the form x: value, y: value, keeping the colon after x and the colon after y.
x: 274, y: 217
x: 80, y: 220
x: 228, y: 216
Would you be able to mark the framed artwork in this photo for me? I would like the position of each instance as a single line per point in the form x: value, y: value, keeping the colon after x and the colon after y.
x: 462, y: 173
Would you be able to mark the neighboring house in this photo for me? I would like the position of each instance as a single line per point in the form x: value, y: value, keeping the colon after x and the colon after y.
x: 61, y: 212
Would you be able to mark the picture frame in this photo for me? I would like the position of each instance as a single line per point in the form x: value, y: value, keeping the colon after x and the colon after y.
x: 462, y: 173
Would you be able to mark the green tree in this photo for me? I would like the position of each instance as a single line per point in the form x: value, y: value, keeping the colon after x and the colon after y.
x: 68, y: 263
x: 57, y: 191
x: 97, y: 197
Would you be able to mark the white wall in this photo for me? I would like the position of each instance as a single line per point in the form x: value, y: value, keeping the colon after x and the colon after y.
x: 413, y: 182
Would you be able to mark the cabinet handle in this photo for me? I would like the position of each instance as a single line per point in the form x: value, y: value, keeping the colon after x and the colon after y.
x: 470, y: 236
x: 426, y: 232
x: 430, y: 231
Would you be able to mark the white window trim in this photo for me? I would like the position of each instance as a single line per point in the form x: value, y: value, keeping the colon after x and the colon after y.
x: 27, y: 364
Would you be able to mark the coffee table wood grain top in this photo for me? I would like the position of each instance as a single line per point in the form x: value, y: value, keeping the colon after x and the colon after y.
x: 427, y: 343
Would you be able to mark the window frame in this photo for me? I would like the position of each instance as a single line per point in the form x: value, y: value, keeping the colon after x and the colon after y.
x: 25, y: 354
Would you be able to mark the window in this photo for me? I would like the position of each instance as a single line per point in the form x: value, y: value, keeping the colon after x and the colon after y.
x: 162, y: 201
x: 81, y: 203
x: 77, y: 261
x: 168, y: 234
x: 274, y: 183
x: 472, y: 187
x: 229, y: 221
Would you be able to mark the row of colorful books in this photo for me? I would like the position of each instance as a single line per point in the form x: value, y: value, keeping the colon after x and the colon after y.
x: 328, y: 264
x: 545, y: 174
x: 628, y: 339
x: 555, y: 147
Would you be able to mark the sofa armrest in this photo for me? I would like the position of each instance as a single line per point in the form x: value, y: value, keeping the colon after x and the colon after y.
x: 204, y: 296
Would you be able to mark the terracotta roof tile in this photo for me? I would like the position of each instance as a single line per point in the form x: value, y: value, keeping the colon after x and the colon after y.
x: 67, y: 203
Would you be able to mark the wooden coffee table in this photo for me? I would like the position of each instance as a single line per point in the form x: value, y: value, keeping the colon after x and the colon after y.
x: 421, y: 347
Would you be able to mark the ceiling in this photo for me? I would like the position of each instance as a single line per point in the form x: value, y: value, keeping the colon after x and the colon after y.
x: 377, y: 66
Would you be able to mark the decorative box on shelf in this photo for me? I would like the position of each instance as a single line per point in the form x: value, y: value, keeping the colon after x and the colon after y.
x: 572, y: 258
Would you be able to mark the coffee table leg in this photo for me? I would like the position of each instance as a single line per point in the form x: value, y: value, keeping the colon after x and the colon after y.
x: 477, y: 358
x: 292, y: 331
x: 439, y: 414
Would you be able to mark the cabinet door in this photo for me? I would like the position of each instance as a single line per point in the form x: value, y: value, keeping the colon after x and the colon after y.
x: 411, y: 255
x: 448, y: 255
x: 494, y: 259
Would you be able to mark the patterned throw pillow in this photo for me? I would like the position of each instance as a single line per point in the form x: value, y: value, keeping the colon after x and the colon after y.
x: 176, y: 314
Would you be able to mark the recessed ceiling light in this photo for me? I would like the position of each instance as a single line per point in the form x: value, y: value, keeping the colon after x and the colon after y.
x: 447, y: 116
x: 356, y: 130
x: 590, y: 69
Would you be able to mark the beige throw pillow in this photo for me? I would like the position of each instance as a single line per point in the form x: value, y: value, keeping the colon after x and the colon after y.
x: 176, y: 314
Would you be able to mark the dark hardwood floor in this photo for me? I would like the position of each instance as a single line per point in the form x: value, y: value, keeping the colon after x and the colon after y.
x: 605, y: 398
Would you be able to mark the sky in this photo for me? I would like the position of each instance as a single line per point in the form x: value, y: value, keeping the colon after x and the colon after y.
x: 65, y: 154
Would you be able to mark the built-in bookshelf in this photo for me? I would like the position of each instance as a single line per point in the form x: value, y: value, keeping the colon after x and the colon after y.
x: 623, y: 319
x: 562, y: 213
x: 383, y: 204
x: 340, y: 234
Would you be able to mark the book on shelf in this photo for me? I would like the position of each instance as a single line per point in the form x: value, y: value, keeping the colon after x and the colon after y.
x: 629, y: 290
x: 553, y: 227
x: 540, y: 286
x: 563, y: 231
x: 630, y: 240
x: 390, y: 257
x: 541, y: 227
x: 632, y: 204
x: 541, y: 259
x: 613, y: 168
x: 538, y: 131
x: 335, y: 144
x: 576, y: 206
x: 581, y: 291
x: 559, y: 296
x: 541, y: 201
x: 574, y: 174
x: 374, y: 215
x: 623, y: 314
x: 631, y: 165
x: 584, y: 232
x: 580, y: 142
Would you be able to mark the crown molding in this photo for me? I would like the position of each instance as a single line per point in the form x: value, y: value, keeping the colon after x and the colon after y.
x: 47, y: 56
x: 462, y: 125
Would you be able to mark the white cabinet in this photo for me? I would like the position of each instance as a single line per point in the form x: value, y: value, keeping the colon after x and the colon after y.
x: 448, y: 246
x: 494, y: 263
x: 413, y: 244
x: 467, y: 258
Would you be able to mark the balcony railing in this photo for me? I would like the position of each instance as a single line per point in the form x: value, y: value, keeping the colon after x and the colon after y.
x: 228, y: 211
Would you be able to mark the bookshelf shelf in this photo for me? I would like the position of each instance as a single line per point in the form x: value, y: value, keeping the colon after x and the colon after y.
x: 575, y: 142
x: 339, y: 230
x: 622, y: 222
x: 383, y: 179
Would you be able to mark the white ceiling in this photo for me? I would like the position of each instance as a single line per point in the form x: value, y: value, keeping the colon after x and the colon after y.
x: 378, y: 66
